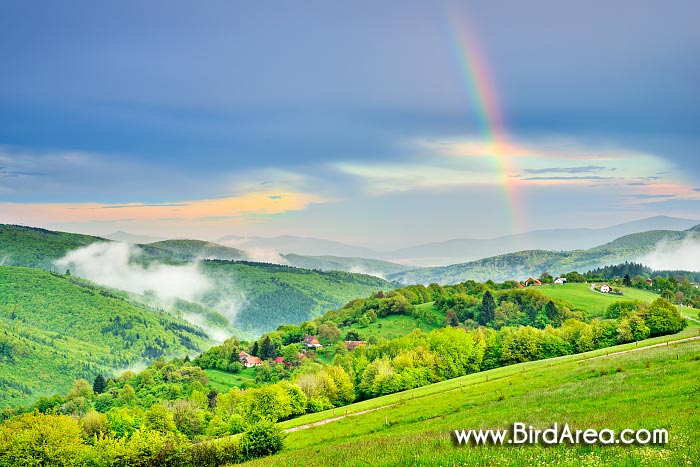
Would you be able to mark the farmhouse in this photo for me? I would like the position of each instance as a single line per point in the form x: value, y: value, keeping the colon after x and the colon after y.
x: 249, y: 360
x: 650, y: 282
x: 560, y: 280
x: 312, y: 341
x: 605, y: 288
x: 351, y: 345
x: 532, y: 281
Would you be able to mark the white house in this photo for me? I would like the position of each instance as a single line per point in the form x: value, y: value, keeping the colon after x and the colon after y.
x: 605, y: 288
x: 560, y: 280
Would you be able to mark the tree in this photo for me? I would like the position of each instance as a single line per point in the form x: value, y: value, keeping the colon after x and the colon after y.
x: 100, y: 384
x: 329, y: 332
x: 663, y: 318
x: 488, y: 308
x: 627, y: 281
x: 39, y: 439
x: 267, y: 349
x: 255, y: 350
x: 262, y: 439
x: 159, y: 418
x: 352, y: 335
x: 451, y: 319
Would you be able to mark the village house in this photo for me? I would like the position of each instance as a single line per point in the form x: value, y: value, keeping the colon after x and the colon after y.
x: 351, y: 345
x: 560, y: 280
x: 249, y: 360
x: 312, y: 341
x: 532, y: 281
x: 605, y: 288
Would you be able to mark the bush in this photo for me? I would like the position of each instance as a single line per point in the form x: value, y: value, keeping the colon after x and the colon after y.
x: 262, y: 439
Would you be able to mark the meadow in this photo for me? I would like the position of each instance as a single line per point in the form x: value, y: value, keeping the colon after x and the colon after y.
x: 648, y: 387
x: 595, y: 303
x: 393, y: 326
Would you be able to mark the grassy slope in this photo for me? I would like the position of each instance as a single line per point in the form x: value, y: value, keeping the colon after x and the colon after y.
x: 651, y: 388
x: 222, y: 381
x: 595, y: 303
x: 393, y: 326
x: 53, y: 331
x: 523, y: 264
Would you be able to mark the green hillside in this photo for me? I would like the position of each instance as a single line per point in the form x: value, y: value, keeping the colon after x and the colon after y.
x: 190, y: 250
x: 416, y: 427
x: 532, y: 263
x: 374, y: 267
x: 37, y: 248
x: 593, y: 302
x: 268, y: 295
x: 54, y: 329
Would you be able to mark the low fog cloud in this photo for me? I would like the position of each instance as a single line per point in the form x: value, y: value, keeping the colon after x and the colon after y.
x: 265, y: 255
x: 684, y: 255
x: 113, y: 265
x: 361, y: 270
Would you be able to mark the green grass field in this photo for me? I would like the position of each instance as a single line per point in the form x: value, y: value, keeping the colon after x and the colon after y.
x: 397, y: 325
x: 651, y: 387
x: 222, y: 381
x: 595, y: 303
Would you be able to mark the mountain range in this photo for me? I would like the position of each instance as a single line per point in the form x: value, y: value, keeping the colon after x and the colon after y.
x: 460, y: 250
x: 531, y: 263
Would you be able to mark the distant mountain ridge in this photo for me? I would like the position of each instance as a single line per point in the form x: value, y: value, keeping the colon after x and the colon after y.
x: 461, y: 249
x: 464, y: 250
x: 532, y: 263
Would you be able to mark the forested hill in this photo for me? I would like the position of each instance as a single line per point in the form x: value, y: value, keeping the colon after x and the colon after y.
x: 532, y: 263
x: 190, y: 250
x: 54, y: 329
x: 38, y: 248
x: 268, y: 295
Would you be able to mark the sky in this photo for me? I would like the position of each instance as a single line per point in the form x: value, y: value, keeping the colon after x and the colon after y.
x: 378, y: 123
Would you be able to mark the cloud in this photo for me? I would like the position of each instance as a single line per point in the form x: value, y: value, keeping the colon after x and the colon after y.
x: 114, y: 265
x: 265, y: 255
x: 684, y: 255
x: 118, y: 265
x: 561, y: 178
x: 570, y: 170
x: 190, y: 210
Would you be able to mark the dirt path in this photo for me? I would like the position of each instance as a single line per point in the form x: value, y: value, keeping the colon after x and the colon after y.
x: 643, y: 348
x: 333, y: 419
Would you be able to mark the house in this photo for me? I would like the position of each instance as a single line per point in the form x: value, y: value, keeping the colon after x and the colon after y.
x: 605, y: 288
x: 249, y: 360
x: 312, y: 341
x: 351, y: 345
x: 560, y: 280
x: 532, y: 281
x: 279, y: 360
x: 650, y: 282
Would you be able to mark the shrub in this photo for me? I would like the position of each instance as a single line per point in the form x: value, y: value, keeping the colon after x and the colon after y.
x: 262, y: 439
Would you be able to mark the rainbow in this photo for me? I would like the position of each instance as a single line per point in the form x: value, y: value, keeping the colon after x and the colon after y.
x: 481, y: 91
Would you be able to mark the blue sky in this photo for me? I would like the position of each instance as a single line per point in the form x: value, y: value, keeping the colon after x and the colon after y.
x: 345, y: 120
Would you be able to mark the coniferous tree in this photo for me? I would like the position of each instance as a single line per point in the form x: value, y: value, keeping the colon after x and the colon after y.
x: 488, y: 308
x: 100, y: 384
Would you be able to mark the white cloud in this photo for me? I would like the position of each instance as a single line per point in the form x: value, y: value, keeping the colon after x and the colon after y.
x: 114, y: 265
x: 672, y: 256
